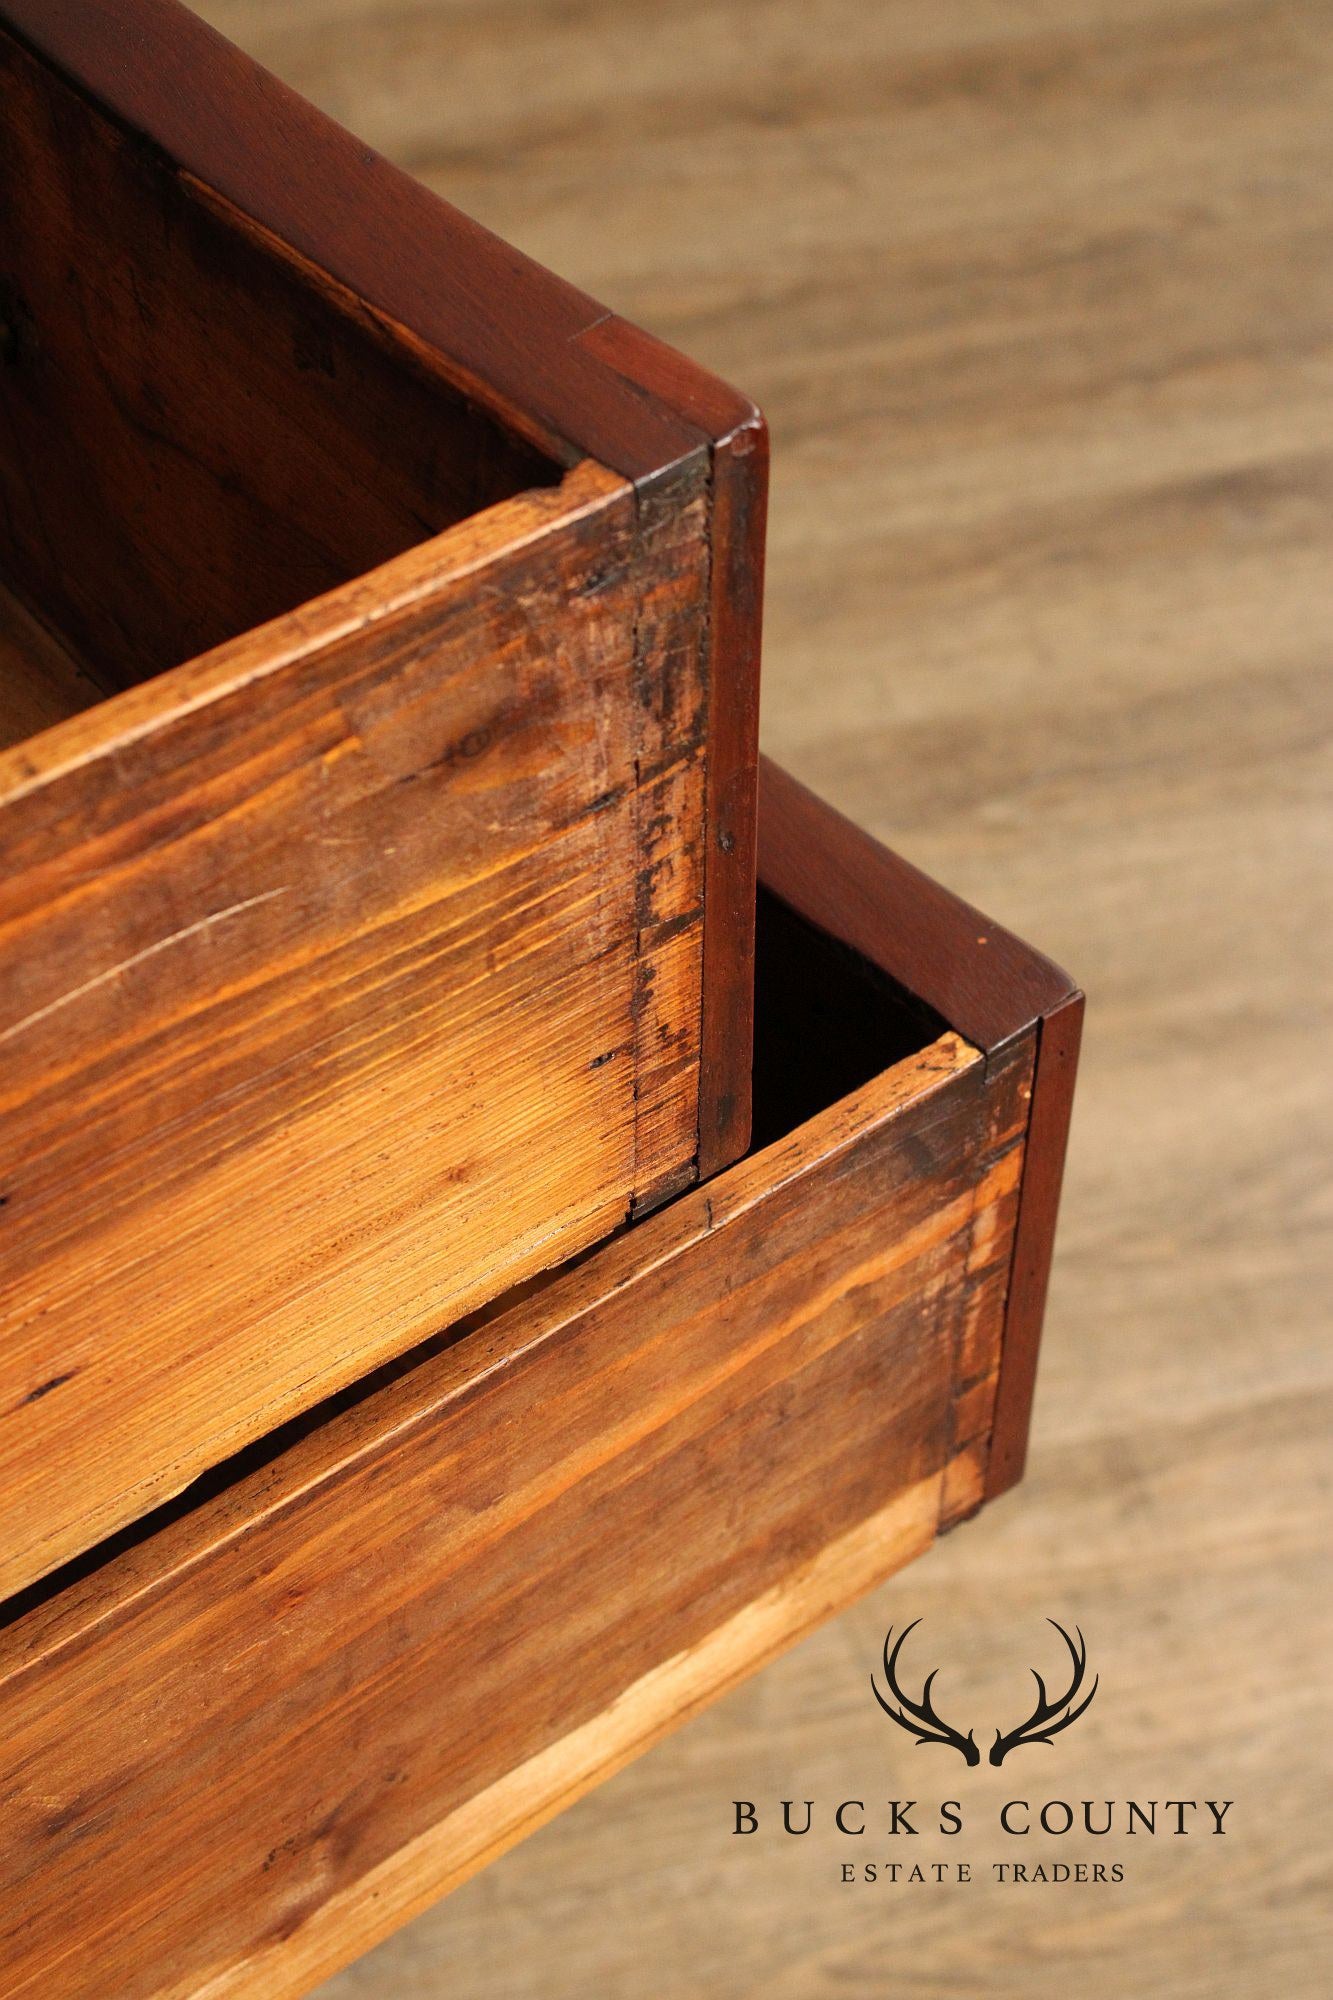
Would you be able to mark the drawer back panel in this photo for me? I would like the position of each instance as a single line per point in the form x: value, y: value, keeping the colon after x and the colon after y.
x: 193, y: 436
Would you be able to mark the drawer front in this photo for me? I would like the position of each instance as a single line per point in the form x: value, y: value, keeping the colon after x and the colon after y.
x: 249, y: 1745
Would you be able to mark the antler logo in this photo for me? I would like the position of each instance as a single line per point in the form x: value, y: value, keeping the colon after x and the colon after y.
x: 1046, y: 1721
x: 920, y: 1719
x: 1048, y: 1718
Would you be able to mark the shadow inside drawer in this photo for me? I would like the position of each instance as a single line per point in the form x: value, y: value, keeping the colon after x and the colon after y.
x: 196, y: 433
x: 826, y: 1021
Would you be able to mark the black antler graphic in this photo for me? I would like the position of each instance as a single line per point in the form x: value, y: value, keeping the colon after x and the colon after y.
x: 920, y: 1719
x: 1046, y: 1720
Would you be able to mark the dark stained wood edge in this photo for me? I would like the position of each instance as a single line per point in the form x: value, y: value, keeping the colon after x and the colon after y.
x: 504, y: 330
x: 1059, y: 1034
x: 740, y: 457
x: 537, y: 353
x: 740, y: 505
x: 978, y: 977
x: 988, y: 986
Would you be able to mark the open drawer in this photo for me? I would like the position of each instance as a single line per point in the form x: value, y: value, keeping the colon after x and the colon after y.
x: 377, y: 759
x: 323, y: 1688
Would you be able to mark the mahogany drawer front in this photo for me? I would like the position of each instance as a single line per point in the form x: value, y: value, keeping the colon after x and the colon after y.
x: 287, y: 1715
x: 375, y: 923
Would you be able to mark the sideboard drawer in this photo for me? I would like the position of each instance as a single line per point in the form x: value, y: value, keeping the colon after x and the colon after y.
x: 314, y: 1694
x: 377, y: 762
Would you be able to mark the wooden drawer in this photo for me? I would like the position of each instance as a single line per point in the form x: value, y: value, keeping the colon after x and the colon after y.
x: 295, y: 1707
x: 398, y: 943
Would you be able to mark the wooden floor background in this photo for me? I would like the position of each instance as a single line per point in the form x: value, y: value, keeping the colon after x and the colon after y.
x: 1039, y: 299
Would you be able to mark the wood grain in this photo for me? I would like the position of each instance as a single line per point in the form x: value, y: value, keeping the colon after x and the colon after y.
x: 738, y: 528
x: 245, y: 1748
x: 193, y: 439
x: 413, y: 910
x: 344, y: 235
x: 260, y: 940
x: 984, y: 981
x: 1059, y: 1034
x: 515, y: 1806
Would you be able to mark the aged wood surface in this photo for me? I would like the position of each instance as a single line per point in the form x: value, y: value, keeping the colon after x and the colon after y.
x: 193, y: 438
x: 1038, y: 303
x: 985, y: 982
x: 242, y: 169
x: 738, y: 520
x: 478, y: 1833
x: 247, y: 1747
x: 321, y: 992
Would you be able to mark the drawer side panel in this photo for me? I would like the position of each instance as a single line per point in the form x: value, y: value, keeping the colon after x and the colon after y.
x: 320, y: 992
x: 243, y: 1755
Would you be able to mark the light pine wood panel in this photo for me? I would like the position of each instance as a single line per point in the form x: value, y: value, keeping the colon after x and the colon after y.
x: 1038, y: 303
x: 332, y: 944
